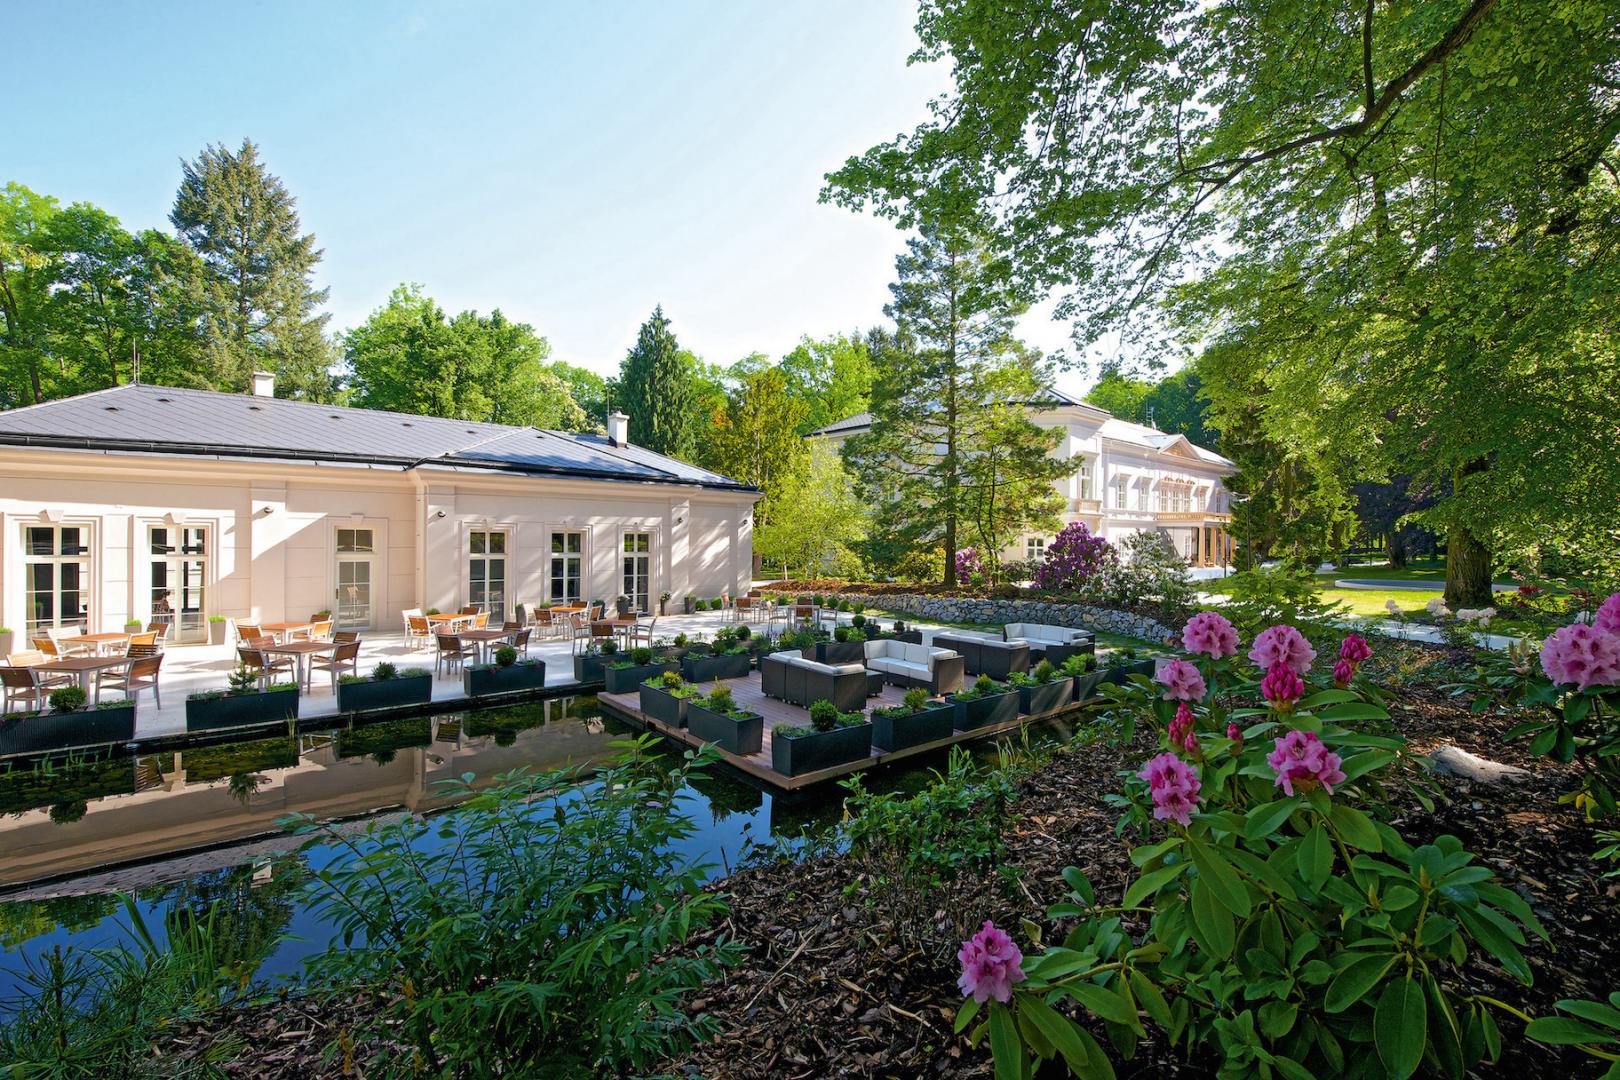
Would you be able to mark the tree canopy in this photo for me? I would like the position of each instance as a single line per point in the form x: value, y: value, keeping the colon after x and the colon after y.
x: 657, y: 389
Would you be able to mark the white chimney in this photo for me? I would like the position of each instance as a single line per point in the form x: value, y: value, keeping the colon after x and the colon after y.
x: 619, y: 429
x: 264, y: 384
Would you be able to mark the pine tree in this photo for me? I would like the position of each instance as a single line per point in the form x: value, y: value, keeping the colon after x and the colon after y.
x: 262, y: 309
x: 656, y: 389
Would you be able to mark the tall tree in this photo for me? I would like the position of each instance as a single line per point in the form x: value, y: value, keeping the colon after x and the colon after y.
x: 946, y: 395
x: 589, y: 390
x: 831, y: 376
x: 1402, y: 218
x: 656, y: 390
x: 262, y: 305
x: 819, y: 519
x: 410, y: 357
x: 755, y: 437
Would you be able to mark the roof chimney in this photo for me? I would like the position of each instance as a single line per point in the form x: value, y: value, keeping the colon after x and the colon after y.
x: 264, y: 384
x: 619, y: 429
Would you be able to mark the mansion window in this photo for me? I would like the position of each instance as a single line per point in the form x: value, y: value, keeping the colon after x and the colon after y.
x: 1035, y: 549
x: 56, y: 576
x: 1122, y: 487
x: 567, y: 561
x: 1085, y: 478
x: 486, y: 572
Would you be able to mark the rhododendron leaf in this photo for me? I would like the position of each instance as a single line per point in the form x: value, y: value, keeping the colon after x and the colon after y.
x: 1353, y: 711
x: 1151, y: 998
x: 1315, y: 857
x: 1212, y: 923
x: 1436, y: 928
x: 1107, y: 1004
x: 1291, y: 1069
x: 1400, y: 1027
x: 1141, y: 856
x: 1355, y: 828
x: 1267, y: 818
x: 1361, y: 764
x: 1327, y: 697
x: 1079, y: 884
x: 1277, y: 1018
x: 1058, y: 962
x: 1595, y: 1011
x: 1079, y: 1050
x: 1151, y: 882
x: 1217, y: 873
x: 1566, y: 1030
x: 1351, y: 984
x: 1399, y: 898
x: 965, y: 1015
x: 1005, y: 1047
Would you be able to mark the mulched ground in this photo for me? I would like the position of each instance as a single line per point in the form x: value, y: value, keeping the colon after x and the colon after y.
x: 827, y: 988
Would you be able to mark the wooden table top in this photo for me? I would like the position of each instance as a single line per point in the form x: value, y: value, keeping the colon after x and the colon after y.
x: 83, y: 663
x: 298, y: 647
x: 454, y: 616
x: 491, y: 634
x: 283, y: 627
x: 102, y: 639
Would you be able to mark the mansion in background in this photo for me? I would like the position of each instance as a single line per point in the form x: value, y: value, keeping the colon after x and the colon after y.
x: 1127, y: 478
x: 188, y: 505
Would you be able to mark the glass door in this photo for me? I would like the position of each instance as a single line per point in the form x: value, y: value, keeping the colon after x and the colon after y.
x: 567, y: 558
x: 178, y: 579
x: 356, y: 552
x: 638, y: 570
x: 56, y: 575
x: 486, y: 573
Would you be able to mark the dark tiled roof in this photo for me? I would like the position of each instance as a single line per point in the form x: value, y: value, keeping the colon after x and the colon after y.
x: 168, y: 420
x: 862, y: 421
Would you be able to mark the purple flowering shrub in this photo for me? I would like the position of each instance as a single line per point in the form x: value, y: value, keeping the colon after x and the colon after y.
x: 1073, y: 558
x: 969, y: 565
x: 1290, y: 930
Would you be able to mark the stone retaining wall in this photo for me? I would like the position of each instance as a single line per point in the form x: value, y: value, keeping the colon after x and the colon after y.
x: 999, y: 612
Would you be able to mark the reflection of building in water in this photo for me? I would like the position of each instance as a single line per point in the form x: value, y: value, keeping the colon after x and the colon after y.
x: 197, y: 799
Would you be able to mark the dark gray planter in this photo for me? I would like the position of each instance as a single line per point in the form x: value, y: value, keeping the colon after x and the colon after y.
x: 588, y: 668
x: 1119, y: 674
x: 624, y: 680
x: 740, y: 737
x: 840, y: 652
x: 1085, y: 686
x: 911, y: 637
x: 660, y: 704
x: 49, y: 731
x: 241, y: 710
x: 985, y: 711
x: 794, y: 755
x: 1057, y: 654
x: 384, y: 693
x: 494, y: 679
x: 1044, y: 698
x: 702, y: 669
x: 898, y: 732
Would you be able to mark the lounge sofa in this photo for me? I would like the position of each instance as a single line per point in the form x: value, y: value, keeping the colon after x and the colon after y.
x: 902, y: 663
x: 789, y: 677
x: 986, y: 653
x: 1053, y: 643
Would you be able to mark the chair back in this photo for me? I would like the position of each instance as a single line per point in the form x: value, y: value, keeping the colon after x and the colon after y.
x: 27, y: 658
x: 145, y: 667
x: 481, y: 620
x: 542, y: 617
x: 18, y: 678
x: 346, y: 652
x: 63, y: 638
x: 419, y: 624
x: 145, y: 650
x: 412, y: 612
x: 161, y: 629
x: 595, y: 609
x: 249, y: 656
x: 343, y: 637
x: 511, y: 625
x: 322, y: 630
x: 137, y: 640
x: 44, y: 645
x: 470, y: 609
x: 449, y: 643
x: 520, y: 640
x: 247, y: 631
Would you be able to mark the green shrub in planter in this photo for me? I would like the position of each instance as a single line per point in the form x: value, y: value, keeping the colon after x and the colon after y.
x: 834, y: 738
x: 1042, y: 690
x: 664, y: 697
x: 68, y: 699
x: 387, y: 688
x: 67, y: 728
x: 242, y: 705
x: 624, y: 676
x: 716, y: 719
x: 478, y: 680
x: 917, y: 720
x: 984, y: 703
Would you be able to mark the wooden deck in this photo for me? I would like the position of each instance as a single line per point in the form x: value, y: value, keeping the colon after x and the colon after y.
x: 748, y: 695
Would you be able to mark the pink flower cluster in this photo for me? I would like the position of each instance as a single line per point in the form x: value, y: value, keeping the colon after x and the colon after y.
x: 1235, y: 733
x: 1582, y: 656
x: 1353, y: 651
x: 1607, y: 618
x: 1284, y: 645
x: 1282, y: 687
x: 1174, y: 785
x: 1181, y: 681
x: 1301, y: 761
x: 1181, y: 734
x: 990, y: 965
x: 1209, y: 633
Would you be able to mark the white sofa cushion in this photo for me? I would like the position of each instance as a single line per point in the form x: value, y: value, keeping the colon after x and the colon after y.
x: 916, y: 671
x: 916, y: 654
x: 881, y: 663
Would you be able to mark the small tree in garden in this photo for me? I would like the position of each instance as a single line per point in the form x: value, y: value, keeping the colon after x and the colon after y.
x: 1073, y: 558
x: 1290, y: 931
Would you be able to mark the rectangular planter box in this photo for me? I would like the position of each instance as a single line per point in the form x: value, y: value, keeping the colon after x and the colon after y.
x: 478, y: 681
x: 1043, y: 699
x: 839, y: 652
x: 663, y: 705
x: 588, y: 668
x: 1057, y: 654
x: 793, y: 755
x: 741, y: 737
x: 910, y: 637
x: 67, y: 731
x: 384, y: 693
x: 702, y: 669
x: 899, y: 732
x: 241, y: 710
x: 624, y: 680
x: 982, y: 712
x: 1119, y: 674
x: 1085, y: 686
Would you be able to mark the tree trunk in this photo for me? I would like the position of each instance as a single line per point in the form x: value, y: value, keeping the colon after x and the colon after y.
x: 1396, y: 545
x: 1468, y: 570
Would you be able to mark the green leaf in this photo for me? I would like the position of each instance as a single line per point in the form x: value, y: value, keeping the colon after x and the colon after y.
x: 1315, y: 857
x: 1080, y: 1052
x: 1351, y: 985
x: 1212, y: 922
x: 965, y: 1015
x: 1595, y: 1011
x: 1217, y: 873
x: 1355, y: 828
x: 1400, y: 1027
x: 1005, y: 1047
x: 1267, y: 818
x: 1566, y: 1030
x: 1358, y: 711
x: 1105, y: 1003
x: 1151, y: 882
x: 1079, y: 884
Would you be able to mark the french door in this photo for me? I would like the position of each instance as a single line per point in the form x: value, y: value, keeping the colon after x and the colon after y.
x: 178, y: 576
x: 567, y: 561
x: 637, y: 583
x: 486, y: 572
x: 356, y: 561
x: 56, y: 577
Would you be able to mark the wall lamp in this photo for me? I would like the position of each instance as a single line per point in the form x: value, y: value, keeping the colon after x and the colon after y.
x: 267, y: 510
x: 438, y: 513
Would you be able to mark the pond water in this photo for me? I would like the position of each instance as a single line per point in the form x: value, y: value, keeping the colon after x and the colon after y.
x: 188, y: 828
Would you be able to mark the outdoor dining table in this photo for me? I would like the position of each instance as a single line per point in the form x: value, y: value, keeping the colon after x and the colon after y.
x: 300, y: 651
x: 623, y: 625
x: 448, y: 623
x: 282, y: 631
x: 82, y: 667
x: 484, y: 639
x: 100, y: 643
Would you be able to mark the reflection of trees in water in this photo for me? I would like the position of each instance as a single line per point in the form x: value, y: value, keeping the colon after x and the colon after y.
x: 243, y: 786
x: 256, y: 901
x: 23, y: 920
x: 726, y: 795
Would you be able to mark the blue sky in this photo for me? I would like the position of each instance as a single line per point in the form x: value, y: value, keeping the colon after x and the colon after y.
x: 571, y: 164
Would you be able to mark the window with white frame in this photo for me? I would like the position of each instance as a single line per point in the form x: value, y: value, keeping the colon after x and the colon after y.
x: 486, y: 571
x: 56, y: 577
x: 567, y: 565
x: 1085, y: 478
x: 1035, y: 549
x: 1122, y: 487
x: 637, y: 582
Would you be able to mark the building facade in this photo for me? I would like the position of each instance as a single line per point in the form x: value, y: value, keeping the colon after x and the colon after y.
x: 143, y: 501
x: 1127, y: 478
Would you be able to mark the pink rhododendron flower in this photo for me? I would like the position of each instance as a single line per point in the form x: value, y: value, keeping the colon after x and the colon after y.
x: 1607, y: 618
x: 1235, y: 733
x: 1209, y: 633
x: 1181, y: 681
x: 1181, y: 725
x: 1302, y: 761
x: 1282, y: 644
x: 1354, y: 648
x: 990, y: 965
x: 1282, y: 687
x: 1343, y: 672
x: 1174, y: 786
x: 1582, y: 656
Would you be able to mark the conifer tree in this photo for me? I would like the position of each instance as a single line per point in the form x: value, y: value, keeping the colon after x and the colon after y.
x: 656, y: 390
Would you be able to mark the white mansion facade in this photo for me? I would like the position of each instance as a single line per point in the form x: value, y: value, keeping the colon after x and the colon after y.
x: 1127, y: 478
